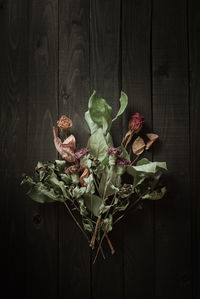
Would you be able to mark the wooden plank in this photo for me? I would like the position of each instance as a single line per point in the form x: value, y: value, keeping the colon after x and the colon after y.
x: 194, y: 76
x: 107, y: 276
x: 41, y: 220
x: 171, y: 122
x: 136, y: 81
x: 13, y: 94
x: 73, y: 97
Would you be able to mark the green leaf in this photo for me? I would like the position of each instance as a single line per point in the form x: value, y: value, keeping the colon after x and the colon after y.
x: 78, y: 192
x: 109, y: 179
x: 93, y: 203
x: 143, y: 161
x: 97, y: 145
x: 83, y: 209
x: 86, y: 161
x: 28, y: 180
x: 39, y: 164
x: 52, y: 179
x: 60, y: 165
x: 100, y: 111
x: 40, y: 193
x: 66, y: 178
x: 87, y: 224
x: 92, y: 126
x: 123, y: 205
x: 145, y: 170
x: 109, y: 140
x: 123, y: 103
x: 156, y: 194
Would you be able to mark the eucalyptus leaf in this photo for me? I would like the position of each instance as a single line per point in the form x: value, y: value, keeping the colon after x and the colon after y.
x: 60, y: 165
x: 100, y: 111
x: 156, y: 194
x: 97, y: 145
x: 87, y: 224
x: 92, y: 125
x: 40, y: 193
x: 93, y: 203
x: 123, y: 104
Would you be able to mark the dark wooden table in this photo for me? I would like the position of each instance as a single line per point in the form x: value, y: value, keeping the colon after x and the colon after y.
x: 53, y: 53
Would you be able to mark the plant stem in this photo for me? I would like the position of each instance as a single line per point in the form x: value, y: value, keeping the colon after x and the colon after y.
x: 95, y: 232
x: 99, y: 248
x: 110, y: 244
x: 66, y: 205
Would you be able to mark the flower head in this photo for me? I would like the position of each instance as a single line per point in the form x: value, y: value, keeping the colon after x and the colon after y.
x: 123, y: 162
x: 114, y: 151
x: 136, y: 122
x: 81, y: 153
x: 64, y: 123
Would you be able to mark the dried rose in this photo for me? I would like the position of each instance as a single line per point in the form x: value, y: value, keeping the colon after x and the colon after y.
x: 81, y: 153
x: 152, y: 138
x: 135, y: 125
x: 114, y: 151
x: 66, y: 148
x: 138, y: 146
x: 136, y: 122
x: 123, y: 162
x: 64, y: 123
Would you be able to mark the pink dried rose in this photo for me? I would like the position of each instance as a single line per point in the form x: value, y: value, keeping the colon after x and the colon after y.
x: 152, y: 138
x: 136, y: 122
x: 64, y: 123
x: 66, y: 148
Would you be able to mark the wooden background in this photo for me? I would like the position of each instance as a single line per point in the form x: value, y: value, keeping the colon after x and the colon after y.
x: 53, y: 53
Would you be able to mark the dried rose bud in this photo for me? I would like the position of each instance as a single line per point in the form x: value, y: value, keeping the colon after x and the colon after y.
x: 136, y: 122
x: 64, y: 123
x: 123, y: 162
x: 81, y: 153
x: 114, y: 151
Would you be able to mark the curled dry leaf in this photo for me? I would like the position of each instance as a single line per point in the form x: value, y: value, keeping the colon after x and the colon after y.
x: 64, y: 122
x: 84, y: 175
x: 66, y: 148
x: 138, y: 146
x: 152, y: 138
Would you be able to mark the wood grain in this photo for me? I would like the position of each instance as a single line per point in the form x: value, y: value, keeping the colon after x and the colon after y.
x: 107, y: 276
x: 171, y: 122
x: 13, y: 118
x: 41, y: 220
x: 136, y: 81
x: 194, y: 76
x: 73, y: 97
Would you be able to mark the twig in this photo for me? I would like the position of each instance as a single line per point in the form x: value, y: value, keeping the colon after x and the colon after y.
x: 95, y: 232
x: 66, y: 205
x: 99, y: 248
x: 110, y: 244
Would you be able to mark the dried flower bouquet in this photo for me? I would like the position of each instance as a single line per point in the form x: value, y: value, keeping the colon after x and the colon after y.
x: 92, y: 180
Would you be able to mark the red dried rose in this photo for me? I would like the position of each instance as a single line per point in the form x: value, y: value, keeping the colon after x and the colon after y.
x: 64, y: 122
x: 136, y: 122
